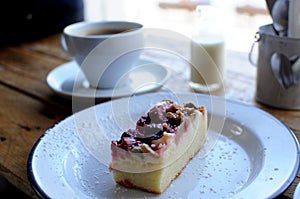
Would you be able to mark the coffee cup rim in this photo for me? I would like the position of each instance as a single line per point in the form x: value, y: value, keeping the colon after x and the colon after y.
x: 71, y: 29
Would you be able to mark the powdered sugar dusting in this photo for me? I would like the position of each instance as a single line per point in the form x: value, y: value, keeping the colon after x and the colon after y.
x: 241, y: 159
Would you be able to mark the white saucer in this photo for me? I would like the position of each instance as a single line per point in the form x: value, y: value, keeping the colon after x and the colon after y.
x: 68, y: 81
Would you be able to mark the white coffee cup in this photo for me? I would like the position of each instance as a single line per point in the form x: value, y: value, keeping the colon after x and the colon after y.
x: 105, y: 50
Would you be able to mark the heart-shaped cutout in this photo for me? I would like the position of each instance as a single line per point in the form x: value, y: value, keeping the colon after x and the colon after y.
x: 285, y: 70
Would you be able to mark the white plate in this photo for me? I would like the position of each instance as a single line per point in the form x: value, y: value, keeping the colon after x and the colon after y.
x: 255, y: 156
x: 297, y: 192
x: 68, y: 81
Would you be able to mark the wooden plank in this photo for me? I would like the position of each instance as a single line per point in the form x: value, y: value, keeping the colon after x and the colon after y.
x: 28, y: 106
x: 19, y: 132
x: 49, y: 45
x: 35, y: 88
x: 26, y: 71
x: 28, y: 63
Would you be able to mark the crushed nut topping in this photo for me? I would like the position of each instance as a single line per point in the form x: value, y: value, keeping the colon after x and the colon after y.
x: 154, y: 128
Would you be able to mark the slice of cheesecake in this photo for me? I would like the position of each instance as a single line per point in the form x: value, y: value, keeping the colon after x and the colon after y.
x: 165, y: 139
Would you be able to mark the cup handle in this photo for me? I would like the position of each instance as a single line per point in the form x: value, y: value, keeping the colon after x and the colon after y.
x: 63, y: 43
x: 250, y: 55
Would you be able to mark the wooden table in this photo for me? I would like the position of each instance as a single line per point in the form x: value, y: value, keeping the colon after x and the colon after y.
x: 29, y: 107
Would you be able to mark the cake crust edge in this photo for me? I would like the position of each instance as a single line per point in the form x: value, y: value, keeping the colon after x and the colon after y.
x: 130, y: 185
x: 126, y: 182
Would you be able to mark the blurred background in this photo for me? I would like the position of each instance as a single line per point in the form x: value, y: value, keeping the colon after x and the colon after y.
x: 240, y: 19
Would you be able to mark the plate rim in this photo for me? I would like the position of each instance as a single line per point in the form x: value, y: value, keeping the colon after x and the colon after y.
x: 38, y: 189
x: 34, y: 184
x: 296, y: 194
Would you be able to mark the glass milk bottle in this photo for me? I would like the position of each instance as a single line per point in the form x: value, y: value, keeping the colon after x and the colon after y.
x: 207, y: 51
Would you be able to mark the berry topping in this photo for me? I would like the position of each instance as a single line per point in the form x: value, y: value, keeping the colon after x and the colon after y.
x: 162, y: 119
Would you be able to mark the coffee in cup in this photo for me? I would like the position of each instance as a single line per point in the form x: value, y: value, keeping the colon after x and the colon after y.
x: 105, y: 51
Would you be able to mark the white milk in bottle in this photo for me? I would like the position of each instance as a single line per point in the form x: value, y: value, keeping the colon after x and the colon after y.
x: 207, y: 52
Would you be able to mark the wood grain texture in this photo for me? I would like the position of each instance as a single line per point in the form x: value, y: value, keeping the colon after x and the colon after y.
x: 23, y: 121
x: 28, y: 107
